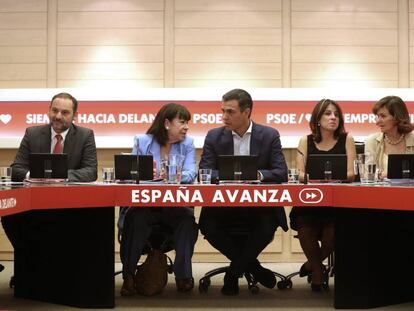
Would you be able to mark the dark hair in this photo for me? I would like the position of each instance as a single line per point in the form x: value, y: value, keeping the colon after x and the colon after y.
x: 397, y: 108
x: 167, y: 112
x: 243, y: 98
x: 317, y: 113
x: 66, y: 96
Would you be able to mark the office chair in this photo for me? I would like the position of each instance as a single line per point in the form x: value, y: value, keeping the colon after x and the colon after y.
x: 237, y: 230
x: 161, y: 238
x: 329, y: 272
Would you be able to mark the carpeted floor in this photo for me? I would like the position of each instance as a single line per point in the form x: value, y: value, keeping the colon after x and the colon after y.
x: 300, y: 297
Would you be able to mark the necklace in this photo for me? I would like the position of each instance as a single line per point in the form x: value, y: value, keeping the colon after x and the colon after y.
x: 394, y: 142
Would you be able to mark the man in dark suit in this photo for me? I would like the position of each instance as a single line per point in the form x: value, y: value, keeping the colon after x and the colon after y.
x: 76, y: 141
x: 241, y: 136
x: 50, y: 245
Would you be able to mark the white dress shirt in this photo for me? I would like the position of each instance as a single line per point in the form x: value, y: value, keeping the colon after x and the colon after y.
x: 242, y: 143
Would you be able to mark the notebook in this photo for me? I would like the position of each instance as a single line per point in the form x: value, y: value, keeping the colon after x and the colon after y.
x: 317, y: 164
x: 48, y: 165
x: 246, y: 165
x: 400, y: 166
x: 128, y: 166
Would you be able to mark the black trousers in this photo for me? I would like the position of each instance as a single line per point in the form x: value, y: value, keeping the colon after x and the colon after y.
x: 239, y: 233
x: 137, y: 230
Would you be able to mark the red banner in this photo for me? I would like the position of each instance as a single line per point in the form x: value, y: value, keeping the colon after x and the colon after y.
x: 116, y: 121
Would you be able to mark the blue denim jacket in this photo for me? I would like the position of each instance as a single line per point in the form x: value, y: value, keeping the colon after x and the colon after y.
x: 147, y: 145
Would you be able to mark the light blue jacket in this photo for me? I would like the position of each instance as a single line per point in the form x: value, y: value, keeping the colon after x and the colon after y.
x: 147, y: 145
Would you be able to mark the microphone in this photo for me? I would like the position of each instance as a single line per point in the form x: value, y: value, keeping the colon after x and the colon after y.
x: 305, y: 175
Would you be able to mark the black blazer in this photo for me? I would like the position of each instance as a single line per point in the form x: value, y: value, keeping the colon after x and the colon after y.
x: 264, y: 142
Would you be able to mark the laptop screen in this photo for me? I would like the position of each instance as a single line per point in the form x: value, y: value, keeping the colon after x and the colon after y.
x: 246, y: 165
x: 48, y: 165
x: 127, y: 164
x: 400, y: 166
x: 317, y: 164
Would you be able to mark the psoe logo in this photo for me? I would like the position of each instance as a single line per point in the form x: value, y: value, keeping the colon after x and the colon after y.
x: 8, y: 203
x: 310, y: 195
x: 5, y: 118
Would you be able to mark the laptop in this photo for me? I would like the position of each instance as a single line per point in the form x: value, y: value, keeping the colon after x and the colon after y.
x: 246, y: 165
x: 400, y: 166
x: 130, y: 167
x: 318, y: 164
x: 48, y: 165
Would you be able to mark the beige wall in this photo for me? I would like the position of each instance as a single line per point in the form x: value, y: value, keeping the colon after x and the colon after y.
x: 189, y: 43
x: 192, y: 43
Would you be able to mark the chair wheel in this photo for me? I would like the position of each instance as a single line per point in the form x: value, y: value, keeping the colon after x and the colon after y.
x: 309, y: 278
x: 325, y: 286
x: 203, y: 285
x: 254, y: 289
x: 170, y: 269
x: 11, y: 283
x: 284, y: 284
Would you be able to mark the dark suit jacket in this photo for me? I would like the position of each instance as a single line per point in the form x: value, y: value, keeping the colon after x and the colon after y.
x: 79, y: 145
x: 264, y: 142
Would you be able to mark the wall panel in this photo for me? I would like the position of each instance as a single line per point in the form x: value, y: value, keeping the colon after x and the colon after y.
x: 230, y: 84
x: 111, y: 5
x: 123, y: 37
x: 229, y: 5
x: 19, y: 54
x: 341, y: 37
x: 25, y: 37
x: 99, y: 20
x: 345, y: 5
x: 104, y: 71
x: 23, y: 20
x: 227, y: 19
x: 344, y: 43
x: 240, y: 48
x: 23, y: 52
x: 110, y: 54
x: 23, y: 6
x: 231, y: 36
x: 212, y: 53
x: 110, y: 43
x: 411, y: 40
x: 227, y: 70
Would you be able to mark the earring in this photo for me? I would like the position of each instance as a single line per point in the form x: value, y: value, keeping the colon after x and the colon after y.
x: 319, y: 124
x: 167, y: 128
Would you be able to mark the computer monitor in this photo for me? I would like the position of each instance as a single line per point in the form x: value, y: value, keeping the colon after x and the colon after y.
x: 400, y: 166
x: 48, y: 165
x: 317, y: 164
x: 245, y: 164
x: 127, y: 164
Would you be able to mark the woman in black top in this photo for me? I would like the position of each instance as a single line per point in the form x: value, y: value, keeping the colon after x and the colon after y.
x: 316, y: 224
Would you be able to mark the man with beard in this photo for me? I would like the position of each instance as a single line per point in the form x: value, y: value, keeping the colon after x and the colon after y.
x: 60, y: 135
x: 24, y: 230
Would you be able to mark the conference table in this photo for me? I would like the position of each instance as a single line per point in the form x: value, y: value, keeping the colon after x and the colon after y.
x: 73, y: 262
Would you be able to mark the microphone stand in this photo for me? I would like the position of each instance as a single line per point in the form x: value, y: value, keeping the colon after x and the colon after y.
x: 305, y: 175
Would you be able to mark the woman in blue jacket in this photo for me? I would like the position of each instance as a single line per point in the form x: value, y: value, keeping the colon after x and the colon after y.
x: 166, y: 136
